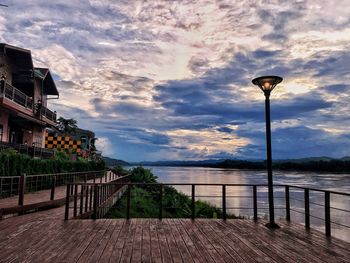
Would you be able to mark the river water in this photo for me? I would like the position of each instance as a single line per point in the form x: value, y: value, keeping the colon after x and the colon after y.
x: 239, y: 201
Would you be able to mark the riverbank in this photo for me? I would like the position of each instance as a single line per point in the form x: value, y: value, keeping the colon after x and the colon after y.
x: 145, y: 201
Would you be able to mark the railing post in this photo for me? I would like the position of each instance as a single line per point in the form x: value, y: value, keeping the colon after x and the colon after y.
x: 224, y: 202
x: 21, y: 187
x: 75, y: 200
x: 287, y: 203
x: 94, y: 215
x: 307, y: 208
x: 161, y: 202
x: 255, y: 202
x: 53, y: 186
x: 82, y: 189
x: 128, y: 202
x: 327, y: 205
x: 66, y: 212
x: 193, y: 204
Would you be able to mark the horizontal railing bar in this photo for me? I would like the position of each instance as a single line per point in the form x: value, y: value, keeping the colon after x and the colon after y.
x: 53, y: 174
x: 297, y: 211
x: 343, y: 210
x: 232, y: 185
x: 339, y: 224
x: 319, y: 190
x: 317, y: 217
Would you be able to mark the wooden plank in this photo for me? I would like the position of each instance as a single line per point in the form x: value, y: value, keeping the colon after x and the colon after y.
x: 185, y: 254
x: 218, y: 243
x: 163, y: 243
x: 156, y: 255
x: 173, y: 247
x: 107, y: 253
x: 196, y: 256
x: 146, y: 241
x: 128, y: 246
x: 137, y: 245
x: 265, y: 240
x: 189, y: 227
x: 95, y: 241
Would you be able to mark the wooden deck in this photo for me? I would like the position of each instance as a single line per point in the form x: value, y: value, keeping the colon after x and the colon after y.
x: 39, y: 199
x: 45, y: 237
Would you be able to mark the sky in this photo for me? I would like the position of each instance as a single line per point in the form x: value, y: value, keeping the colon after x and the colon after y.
x: 171, y: 80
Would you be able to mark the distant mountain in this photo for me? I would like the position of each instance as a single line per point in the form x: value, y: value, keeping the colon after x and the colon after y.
x: 110, y: 162
x: 181, y: 163
x: 309, y: 159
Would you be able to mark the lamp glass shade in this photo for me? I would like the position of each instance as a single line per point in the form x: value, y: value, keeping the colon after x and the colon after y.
x: 267, y: 83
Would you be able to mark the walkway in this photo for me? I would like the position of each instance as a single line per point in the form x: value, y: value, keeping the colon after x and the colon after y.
x: 45, y: 237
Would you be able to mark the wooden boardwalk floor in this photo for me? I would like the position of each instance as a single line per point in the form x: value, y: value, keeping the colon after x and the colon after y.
x: 45, y: 237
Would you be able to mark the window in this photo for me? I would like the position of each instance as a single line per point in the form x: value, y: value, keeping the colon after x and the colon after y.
x: 1, y: 132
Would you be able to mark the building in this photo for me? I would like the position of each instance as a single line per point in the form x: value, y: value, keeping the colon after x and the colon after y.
x: 81, y: 142
x: 24, y: 92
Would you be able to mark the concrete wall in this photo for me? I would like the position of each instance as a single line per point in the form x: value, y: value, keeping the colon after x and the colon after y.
x: 39, y: 136
x: 4, y: 116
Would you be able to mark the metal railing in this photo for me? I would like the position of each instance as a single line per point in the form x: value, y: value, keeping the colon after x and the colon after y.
x: 39, y: 152
x: 93, y: 200
x: 257, y: 203
x: 19, y: 185
x: 17, y: 96
x: 48, y: 114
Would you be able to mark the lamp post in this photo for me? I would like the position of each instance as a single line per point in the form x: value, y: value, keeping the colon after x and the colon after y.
x: 267, y: 84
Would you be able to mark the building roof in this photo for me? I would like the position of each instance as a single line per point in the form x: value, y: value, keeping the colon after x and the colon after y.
x: 20, y: 56
x: 49, y: 84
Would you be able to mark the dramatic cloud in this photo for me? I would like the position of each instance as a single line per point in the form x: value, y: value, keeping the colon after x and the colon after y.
x: 172, y: 79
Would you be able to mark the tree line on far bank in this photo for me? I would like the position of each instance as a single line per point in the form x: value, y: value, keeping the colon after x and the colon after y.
x: 336, y: 166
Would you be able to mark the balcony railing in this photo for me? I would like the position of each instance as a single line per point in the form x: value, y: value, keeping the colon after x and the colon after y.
x: 38, y: 152
x: 11, y: 93
x: 48, y: 114
x: 17, y: 96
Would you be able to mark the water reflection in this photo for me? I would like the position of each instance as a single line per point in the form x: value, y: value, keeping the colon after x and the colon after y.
x: 240, y: 203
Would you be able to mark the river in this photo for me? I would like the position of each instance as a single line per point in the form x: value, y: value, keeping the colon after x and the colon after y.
x: 239, y: 201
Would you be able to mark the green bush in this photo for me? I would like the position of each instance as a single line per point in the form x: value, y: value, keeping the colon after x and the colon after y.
x: 13, y: 164
x: 145, y: 201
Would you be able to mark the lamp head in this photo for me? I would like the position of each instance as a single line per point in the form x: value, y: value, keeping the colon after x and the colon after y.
x: 267, y: 83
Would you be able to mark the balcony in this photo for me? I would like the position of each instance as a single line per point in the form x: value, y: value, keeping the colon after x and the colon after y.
x: 52, y: 116
x: 37, y: 152
x: 18, y: 97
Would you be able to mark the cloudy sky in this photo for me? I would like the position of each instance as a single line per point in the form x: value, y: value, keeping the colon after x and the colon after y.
x: 160, y: 80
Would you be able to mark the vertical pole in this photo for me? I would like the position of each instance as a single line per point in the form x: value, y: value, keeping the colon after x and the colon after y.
x: 287, y: 203
x: 86, y: 197
x: 160, y: 202
x: 82, y: 189
x: 94, y: 215
x: 307, y: 208
x: 75, y: 200
x: 255, y: 203
x: 53, y: 186
x: 272, y: 223
x: 66, y: 212
x: 128, y: 202
x: 327, y: 205
x: 21, y: 187
x: 224, y: 202
x: 193, y: 204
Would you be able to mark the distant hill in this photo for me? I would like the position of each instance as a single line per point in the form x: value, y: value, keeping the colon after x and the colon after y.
x: 180, y: 163
x: 110, y: 162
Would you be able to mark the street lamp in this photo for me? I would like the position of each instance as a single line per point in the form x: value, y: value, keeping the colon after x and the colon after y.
x: 267, y: 84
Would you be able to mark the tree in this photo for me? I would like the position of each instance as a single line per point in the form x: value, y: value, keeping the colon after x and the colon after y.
x: 66, y: 125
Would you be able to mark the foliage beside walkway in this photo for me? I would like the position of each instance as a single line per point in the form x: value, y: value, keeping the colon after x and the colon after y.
x: 145, y: 201
x: 13, y: 164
